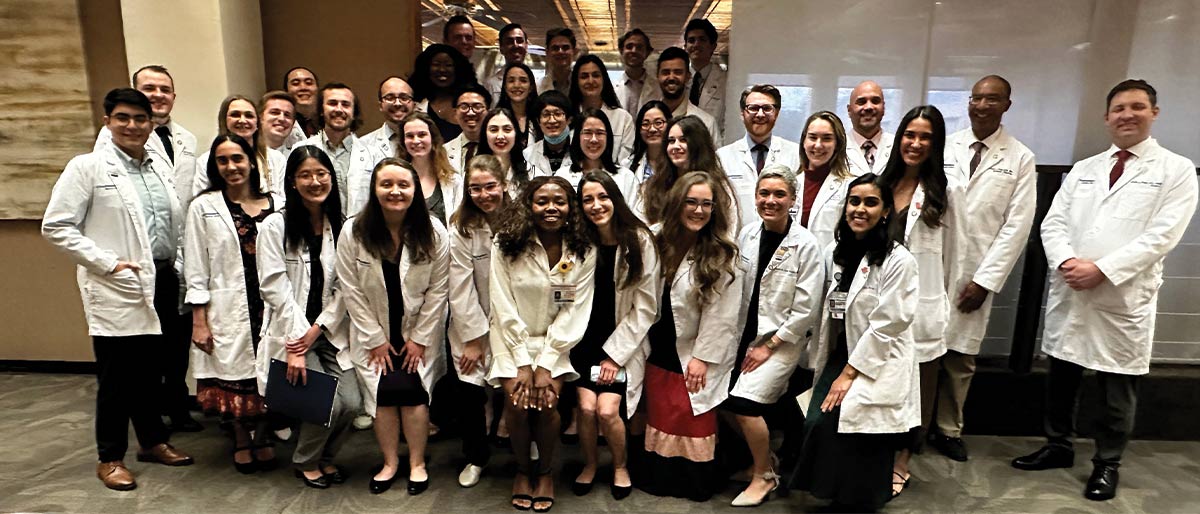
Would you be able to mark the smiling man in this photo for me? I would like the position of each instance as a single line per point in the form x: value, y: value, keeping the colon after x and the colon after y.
x: 707, y: 86
x: 514, y: 46
x: 395, y: 102
x: 635, y: 87
x: 301, y: 83
x: 471, y: 106
x: 560, y: 54
x: 339, y: 117
x: 277, y: 115
x: 673, y: 77
x: 745, y: 158
x: 868, y: 146
x: 1108, y: 230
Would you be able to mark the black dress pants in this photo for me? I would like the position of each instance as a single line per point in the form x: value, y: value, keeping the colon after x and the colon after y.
x: 173, y: 398
x: 1118, y: 394
x: 128, y: 379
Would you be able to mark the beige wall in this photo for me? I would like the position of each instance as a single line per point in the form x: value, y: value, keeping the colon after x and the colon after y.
x: 43, y: 315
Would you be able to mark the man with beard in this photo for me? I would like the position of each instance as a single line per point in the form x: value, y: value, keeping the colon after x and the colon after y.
x: 301, y: 83
x: 560, y: 55
x: 707, y: 87
x: 513, y: 46
x: 673, y: 76
x: 868, y: 146
x: 745, y: 158
x: 339, y: 117
x: 395, y: 102
x: 471, y: 105
x: 277, y: 117
x: 636, y: 86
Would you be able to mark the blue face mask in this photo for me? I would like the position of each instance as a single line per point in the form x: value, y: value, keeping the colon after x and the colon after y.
x: 559, y: 139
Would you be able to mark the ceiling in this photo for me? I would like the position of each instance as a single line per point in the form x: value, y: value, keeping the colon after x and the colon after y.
x: 597, y: 23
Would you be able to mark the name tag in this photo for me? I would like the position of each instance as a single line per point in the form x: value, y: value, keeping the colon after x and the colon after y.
x: 211, y: 215
x: 837, y: 305
x: 562, y: 293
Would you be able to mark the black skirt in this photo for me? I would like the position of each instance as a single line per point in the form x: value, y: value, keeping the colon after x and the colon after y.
x: 398, y: 388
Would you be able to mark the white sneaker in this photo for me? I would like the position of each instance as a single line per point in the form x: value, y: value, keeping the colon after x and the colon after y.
x: 363, y: 422
x: 284, y: 433
x: 470, y: 475
x: 533, y: 453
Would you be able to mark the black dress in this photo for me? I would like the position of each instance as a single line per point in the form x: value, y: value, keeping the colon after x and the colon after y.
x: 590, y: 350
x: 766, y: 249
x: 853, y: 470
x: 398, y: 388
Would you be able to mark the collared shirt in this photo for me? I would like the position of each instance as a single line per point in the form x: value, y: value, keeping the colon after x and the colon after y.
x: 156, y: 204
x: 341, y: 161
x: 547, y: 83
x: 860, y: 139
x: 1139, y: 150
x: 704, y: 73
x: 633, y: 90
x: 393, y: 139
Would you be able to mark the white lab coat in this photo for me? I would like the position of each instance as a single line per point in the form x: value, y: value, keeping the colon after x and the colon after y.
x: 880, y: 305
x: 1000, y: 202
x: 95, y: 216
x: 706, y: 332
x: 739, y: 164
x: 637, y: 310
x: 470, y: 269
x: 284, y: 283
x: 537, y: 163
x: 936, y: 251
x: 650, y: 91
x: 271, y: 182
x: 712, y: 93
x: 623, y: 132
x: 827, y: 207
x: 626, y: 182
x: 714, y: 129
x: 215, y: 278
x: 295, y: 137
x: 1127, y: 231
x: 858, y: 161
x: 183, y: 143
x: 364, y: 293
x: 789, y: 304
x: 527, y: 327
x: 454, y: 154
x: 367, y: 152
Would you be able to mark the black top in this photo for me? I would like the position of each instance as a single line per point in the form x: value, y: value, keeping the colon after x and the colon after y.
x: 448, y: 130
x: 391, y: 280
x: 555, y: 157
x: 767, y: 245
x: 663, y: 352
x: 436, y: 203
x: 589, y: 352
x: 898, y: 225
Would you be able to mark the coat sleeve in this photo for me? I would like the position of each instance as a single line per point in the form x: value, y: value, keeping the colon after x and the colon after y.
x: 466, y: 309
x: 1166, y: 228
x: 717, y: 334
x: 274, y: 284
x: 365, y: 329
x: 625, y: 145
x: 572, y: 319
x: 200, y: 179
x: 632, y: 326
x: 1009, y: 244
x: 431, y: 318
x: 508, y: 333
x: 806, y: 301
x: 888, y: 321
x: 953, y: 237
x: 1056, y: 229
x: 197, y: 267
x: 69, y: 203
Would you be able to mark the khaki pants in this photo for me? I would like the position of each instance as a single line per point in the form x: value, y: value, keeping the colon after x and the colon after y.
x: 944, y: 385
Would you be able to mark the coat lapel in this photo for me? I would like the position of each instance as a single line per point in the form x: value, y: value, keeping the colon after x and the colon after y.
x: 914, y: 210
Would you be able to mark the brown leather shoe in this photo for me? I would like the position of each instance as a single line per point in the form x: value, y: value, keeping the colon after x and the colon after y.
x: 164, y: 453
x: 115, y: 476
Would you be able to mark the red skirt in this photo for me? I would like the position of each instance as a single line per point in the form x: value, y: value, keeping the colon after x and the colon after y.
x: 230, y: 399
x: 680, y: 447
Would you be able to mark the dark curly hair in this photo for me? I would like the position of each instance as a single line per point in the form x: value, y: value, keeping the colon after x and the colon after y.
x: 422, y: 85
x: 516, y: 227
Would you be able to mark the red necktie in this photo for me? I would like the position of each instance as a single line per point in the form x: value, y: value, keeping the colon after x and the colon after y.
x: 1118, y: 168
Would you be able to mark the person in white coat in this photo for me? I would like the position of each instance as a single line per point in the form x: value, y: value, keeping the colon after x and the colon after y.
x: 223, y: 290
x: 504, y: 142
x: 395, y: 102
x: 551, y: 153
x: 591, y: 88
x: 673, y: 79
x: 519, y: 95
x: 393, y: 266
x: 865, y: 398
x: 470, y: 106
x: 623, y: 308
x: 649, y: 152
x: 302, y: 84
x: 592, y: 149
x: 745, y: 158
x: 305, y: 324
x: 470, y: 268
x: 706, y: 88
x: 691, y: 352
x: 782, y: 285
x: 339, y: 117
x: 423, y: 148
x: 277, y: 117
x: 869, y: 147
x: 688, y: 147
x: 115, y: 213
x: 1001, y: 178
x: 1111, y: 224
x: 825, y: 173
x: 929, y: 221
x: 540, y: 290
x: 238, y: 115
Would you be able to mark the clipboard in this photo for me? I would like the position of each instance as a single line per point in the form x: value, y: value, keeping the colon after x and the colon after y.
x: 311, y: 402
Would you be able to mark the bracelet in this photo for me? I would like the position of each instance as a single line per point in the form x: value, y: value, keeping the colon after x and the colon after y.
x: 772, y: 345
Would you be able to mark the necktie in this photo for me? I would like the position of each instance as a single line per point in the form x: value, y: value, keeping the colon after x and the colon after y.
x: 469, y: 148
x: 868, y: 149
x: 979, y: 147
x: 1119, y: 167
x: 760, y: 156
x: 697, y: 82
x: 164, y: 133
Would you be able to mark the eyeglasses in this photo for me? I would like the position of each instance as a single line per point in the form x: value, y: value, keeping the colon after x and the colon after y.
x: 391, y: 99
x: 986, y: 100
x: 589, y: 134
x: 465, y: 108
x: 320, y: 176
x: 704, y: 205
x: 489, y: 188
x: 658, y: 124
x: 555, y: 114
x: 766, y: 109
x: 124, y: 119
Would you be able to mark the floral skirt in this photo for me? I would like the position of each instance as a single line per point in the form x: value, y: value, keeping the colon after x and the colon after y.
x: 230, y: 399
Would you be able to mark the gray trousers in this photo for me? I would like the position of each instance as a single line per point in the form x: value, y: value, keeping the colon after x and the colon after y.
x: 1118, y: 394
x: 316, y: 444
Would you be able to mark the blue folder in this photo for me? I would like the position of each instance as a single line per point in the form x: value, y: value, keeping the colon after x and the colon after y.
x: 311, y: 402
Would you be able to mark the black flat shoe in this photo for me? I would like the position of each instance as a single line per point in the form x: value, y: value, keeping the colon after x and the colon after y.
x: 581, y: 488
x: 952, y: 447
x: 339, y: 476
x: 415, y: 488
x: 1102, y: 485
x: 569, y: 439
x: 621, y: 492
x: 316, y: 483
x: 1047, y: 457
x: 265, y: 464
x: 381, y: 486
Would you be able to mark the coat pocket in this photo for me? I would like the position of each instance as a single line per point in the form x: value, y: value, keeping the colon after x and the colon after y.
x: 891, y: 387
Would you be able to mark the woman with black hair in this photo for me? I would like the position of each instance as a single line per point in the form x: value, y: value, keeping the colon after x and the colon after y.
x: 649, y: 153
x: 508, y: 146
x: 393, y: 265
x: 540, y: 290
x: 591, y: 88
x: 611, y: 358
x: 592, y: 149
x: 306, y: 324
x: 519, y: 95
x: 439, y: 72
x: 223, y: 290
x: 550, y: 153
x: 930, y: 219
x: 865, y: 397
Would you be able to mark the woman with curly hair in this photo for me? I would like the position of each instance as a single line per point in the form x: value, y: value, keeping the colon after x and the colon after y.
x: 541, y: 294
x: 438, y: 74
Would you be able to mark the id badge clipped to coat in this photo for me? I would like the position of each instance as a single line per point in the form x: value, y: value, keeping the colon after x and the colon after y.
x: 837, y: 305
x: 562, y: 293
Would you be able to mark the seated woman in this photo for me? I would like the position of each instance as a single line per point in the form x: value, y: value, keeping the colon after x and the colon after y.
x: 866, y: 395
x: 541, y: 294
